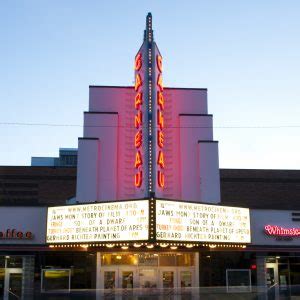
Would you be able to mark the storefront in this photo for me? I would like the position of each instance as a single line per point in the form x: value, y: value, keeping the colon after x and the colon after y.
x: 21, y: 229
x: 151, y: 245
x: 276, y: 240
x: 29, y: 267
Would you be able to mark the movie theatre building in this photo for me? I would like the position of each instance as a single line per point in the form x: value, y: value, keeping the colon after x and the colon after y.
x: 146, y: 149
x: 147, y: 212
x: 149, y: 162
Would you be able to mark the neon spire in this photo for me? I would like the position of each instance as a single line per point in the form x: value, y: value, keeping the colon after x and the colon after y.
x: 148, y: 33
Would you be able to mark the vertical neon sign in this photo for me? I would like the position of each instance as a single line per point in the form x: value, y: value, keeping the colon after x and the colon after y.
x: 149, y: 104
x: 138, y: 122
x: 160, y: 125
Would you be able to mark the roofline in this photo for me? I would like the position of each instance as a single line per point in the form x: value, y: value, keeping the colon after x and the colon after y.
x: 244, y: 169
x: 111, y: 86
x: 131, y: 87
x: 32, y: 167
x: 195, y: 115
x: 68, y: 167
x: 102, y: 112
x: 183, y: 88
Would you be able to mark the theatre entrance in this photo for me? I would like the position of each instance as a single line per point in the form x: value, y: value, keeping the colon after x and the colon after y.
x: 147, y: 270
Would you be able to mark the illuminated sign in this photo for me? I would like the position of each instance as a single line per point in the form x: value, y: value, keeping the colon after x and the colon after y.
x: 15, y: 234
x: 160, y: 125
x: 183, y: 221
x: 149, y: 157
x: 138, y: 122
x: 279, y: 231
x: 112, y: 221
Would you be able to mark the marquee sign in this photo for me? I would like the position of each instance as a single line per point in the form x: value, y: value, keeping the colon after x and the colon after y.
x: 105, y: 222
x: 148, y: 220
x: 193, y: 222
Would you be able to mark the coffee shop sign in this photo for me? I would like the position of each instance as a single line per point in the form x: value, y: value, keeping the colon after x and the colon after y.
x: 15, y: 234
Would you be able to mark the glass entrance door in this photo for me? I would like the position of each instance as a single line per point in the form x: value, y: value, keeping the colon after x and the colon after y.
x: 176, y: 278
x: 167, y: 278
x: 118, y: 278
x: 128, y: 278
x: 148, y: 277
x: 185, y: 278
x: 109, y: 279
x: 272, y: 281
x: 2, y: 280
x: 13, y: 283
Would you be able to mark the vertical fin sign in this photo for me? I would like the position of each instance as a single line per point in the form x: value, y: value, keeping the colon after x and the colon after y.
x: 160, y: 124
x: 138, y: 122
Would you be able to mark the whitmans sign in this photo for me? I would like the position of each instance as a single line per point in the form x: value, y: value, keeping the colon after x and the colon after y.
x: 129, y: 221
x: 279, y: 231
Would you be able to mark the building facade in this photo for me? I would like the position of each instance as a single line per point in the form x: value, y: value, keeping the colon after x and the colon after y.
x: 148, y: 140
x: 151, y: 212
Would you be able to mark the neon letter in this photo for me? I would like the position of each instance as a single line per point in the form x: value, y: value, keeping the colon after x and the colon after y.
x: 138, y: 101
x: 138, y: 179
x: 160, y: 119
x: 138, y: 62
x: 138, y: 82
x: 138, y: 139
x: 160, y: 100
x: 159, y: 63
x: 160, y: 82
x: 138, y: 119
x: 161, y: 179
x: 138, y: 159
x: 161, y: 159
x: 160, y: 138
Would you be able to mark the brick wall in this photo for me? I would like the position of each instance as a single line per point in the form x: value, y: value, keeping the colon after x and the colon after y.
x: 36, y: 185
x: 278, y: 189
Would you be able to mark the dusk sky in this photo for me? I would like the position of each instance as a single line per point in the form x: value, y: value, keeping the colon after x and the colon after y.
x: 247, y: 53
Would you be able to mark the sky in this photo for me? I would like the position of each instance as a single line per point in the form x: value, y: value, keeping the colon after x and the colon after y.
x: 246, y: 53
